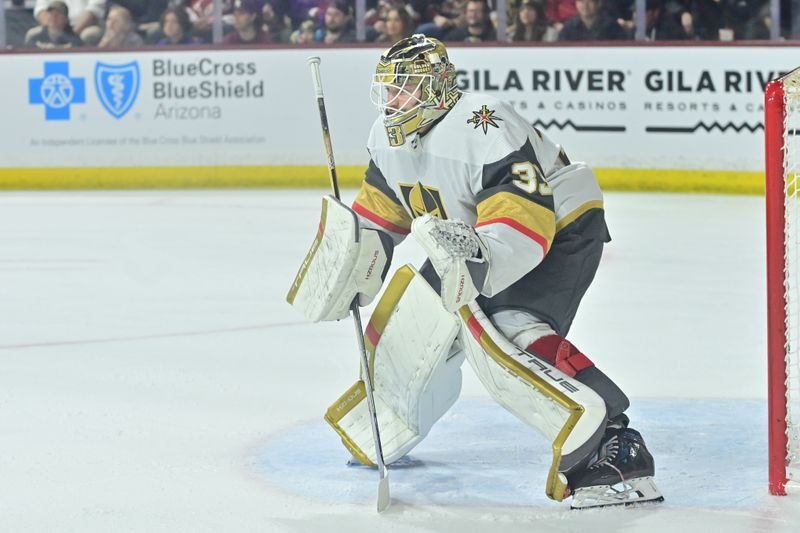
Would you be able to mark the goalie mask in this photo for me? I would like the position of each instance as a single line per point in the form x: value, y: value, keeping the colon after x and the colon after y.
x: 413, y: 86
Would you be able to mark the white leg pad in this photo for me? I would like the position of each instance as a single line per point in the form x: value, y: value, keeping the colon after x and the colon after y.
x: 417, y: 374
x: 563, y: 409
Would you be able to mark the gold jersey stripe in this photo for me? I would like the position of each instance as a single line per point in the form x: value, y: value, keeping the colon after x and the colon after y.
x: 581, y: 209
x: 376, y: 202
x: 538, y: 220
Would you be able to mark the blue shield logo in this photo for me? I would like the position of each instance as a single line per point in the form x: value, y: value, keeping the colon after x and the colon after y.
x: 117, y: 86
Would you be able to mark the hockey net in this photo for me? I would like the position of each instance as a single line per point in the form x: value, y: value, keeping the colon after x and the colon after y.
x: 782, y: 136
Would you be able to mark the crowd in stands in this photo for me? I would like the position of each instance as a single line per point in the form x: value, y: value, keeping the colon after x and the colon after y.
x: 133, y: 23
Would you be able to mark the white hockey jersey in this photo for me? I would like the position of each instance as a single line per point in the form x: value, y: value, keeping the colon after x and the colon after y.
x: 485, y: 165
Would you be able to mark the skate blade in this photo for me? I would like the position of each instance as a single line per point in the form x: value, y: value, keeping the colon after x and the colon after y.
x: 629, y: 492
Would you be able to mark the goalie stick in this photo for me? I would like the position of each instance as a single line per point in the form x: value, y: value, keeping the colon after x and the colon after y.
x: 383, y: 473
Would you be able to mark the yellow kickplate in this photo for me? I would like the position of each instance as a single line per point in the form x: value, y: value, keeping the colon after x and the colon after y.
x: 346, y: 403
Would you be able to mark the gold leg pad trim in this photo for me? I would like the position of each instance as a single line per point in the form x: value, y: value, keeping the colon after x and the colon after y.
x: 346, y: 403
x: 556, y: 487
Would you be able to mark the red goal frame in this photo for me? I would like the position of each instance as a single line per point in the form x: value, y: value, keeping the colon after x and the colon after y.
x: 774, y: 120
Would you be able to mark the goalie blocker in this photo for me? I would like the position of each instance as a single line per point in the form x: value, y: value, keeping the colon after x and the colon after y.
x: 416, y: 363
x: 344, y: 261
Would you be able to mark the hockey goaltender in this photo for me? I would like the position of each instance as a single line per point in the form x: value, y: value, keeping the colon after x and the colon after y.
x: 513, y: 230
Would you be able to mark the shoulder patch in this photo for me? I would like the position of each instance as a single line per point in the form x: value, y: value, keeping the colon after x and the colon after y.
x: 484, y: 118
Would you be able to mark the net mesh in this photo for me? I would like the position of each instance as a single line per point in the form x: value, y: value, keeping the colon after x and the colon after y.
x: 791, y: 173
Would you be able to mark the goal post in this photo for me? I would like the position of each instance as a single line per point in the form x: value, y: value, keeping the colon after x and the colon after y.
x: 782, y: 125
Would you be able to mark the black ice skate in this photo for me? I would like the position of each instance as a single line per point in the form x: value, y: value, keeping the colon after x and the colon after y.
x: 621, y: 474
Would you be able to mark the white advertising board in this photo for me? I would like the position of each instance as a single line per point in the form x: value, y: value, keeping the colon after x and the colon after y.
x: 664, y: 108
x: 624, y: 107
x: 173, y: 108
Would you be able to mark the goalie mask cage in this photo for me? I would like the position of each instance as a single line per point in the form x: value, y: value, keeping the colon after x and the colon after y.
x: 782, y: 125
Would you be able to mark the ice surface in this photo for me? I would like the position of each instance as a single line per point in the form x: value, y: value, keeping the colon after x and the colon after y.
x: 152, y: 377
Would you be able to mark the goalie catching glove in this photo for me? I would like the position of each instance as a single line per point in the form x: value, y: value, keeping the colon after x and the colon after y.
x: 344, y: 262
x: 458, y: 255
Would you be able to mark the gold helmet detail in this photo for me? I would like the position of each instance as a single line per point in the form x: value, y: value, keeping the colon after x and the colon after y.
x: 413, y: 86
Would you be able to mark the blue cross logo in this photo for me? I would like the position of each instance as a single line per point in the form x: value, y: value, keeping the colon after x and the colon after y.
x: 56, y: 90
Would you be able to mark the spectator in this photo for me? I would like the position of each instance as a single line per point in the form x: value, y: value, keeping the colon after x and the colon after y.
x: 19, y: 21
x: 748, y: 18
x: 201, y: 14
x: 728, y: 19
x: 176, y: 28
x: 149, y: 24
x: 57, y: 31
x: 530, y: 24
x: 660, y: 24
x: 478, y: 26
x: 791, y: 21
x: 136, y: 8
x: 274, y: 22
x: 120, y: 30
x: 301, y: 10
x: 281, y: 9
x: 680, y: 11
x: 338, y: 27
x: 85, y: 17
x: 444, y: 16
x: 557, y: 12
x: 305, y: 34
x: 591, y: 24
x: 247, y: 24
x: 398, y: 24
x: 707, y: 19
x: 618, y: 9
x: 422, y: 10
x: 375, y: 17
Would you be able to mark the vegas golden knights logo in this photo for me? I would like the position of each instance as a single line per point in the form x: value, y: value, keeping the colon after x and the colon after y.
x: 422, y: 199
x: 484, y: 118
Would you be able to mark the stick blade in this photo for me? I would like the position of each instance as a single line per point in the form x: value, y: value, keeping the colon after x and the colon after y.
x: 384, y: 498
